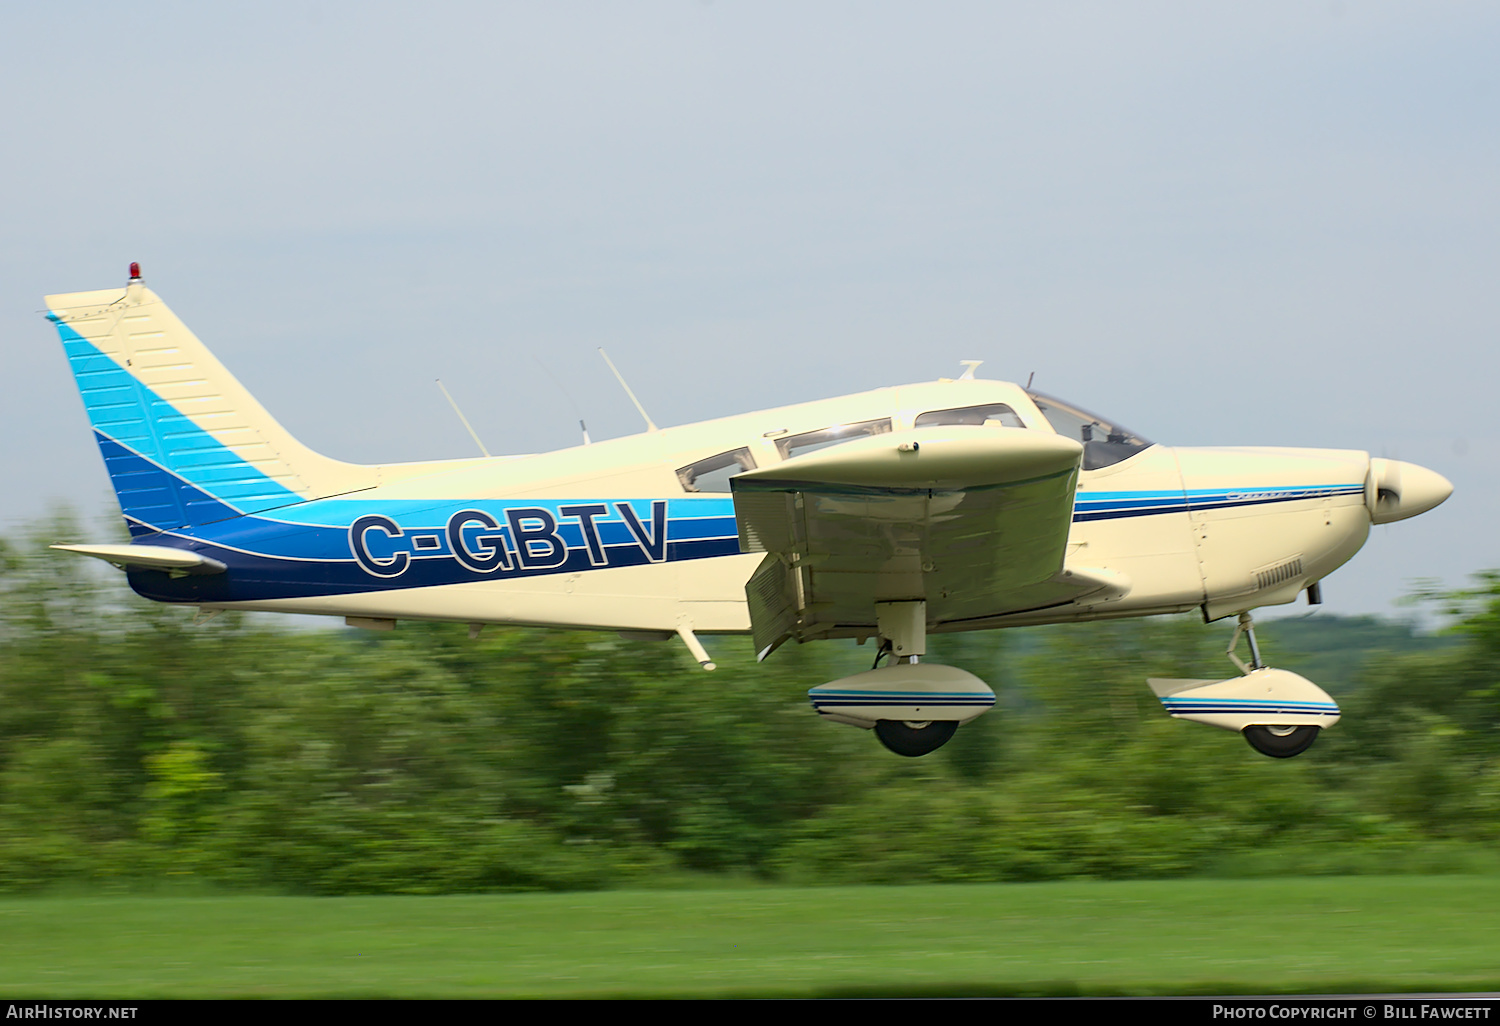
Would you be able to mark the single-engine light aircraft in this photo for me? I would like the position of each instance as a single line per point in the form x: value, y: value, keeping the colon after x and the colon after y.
x: 954, y: 505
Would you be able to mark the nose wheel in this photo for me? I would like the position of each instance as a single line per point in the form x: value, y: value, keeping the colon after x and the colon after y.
x: 1281, y: 742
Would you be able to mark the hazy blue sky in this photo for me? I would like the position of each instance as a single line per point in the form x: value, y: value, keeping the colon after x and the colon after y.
x: 1268, y: 223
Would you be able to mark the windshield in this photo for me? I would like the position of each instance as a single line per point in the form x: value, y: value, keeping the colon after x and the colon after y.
x: 1104, y: 444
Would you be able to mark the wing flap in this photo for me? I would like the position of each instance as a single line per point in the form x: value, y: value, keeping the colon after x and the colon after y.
x: 773, y: 605
x: 973, y: 520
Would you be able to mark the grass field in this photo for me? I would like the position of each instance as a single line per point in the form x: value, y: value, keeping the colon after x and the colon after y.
x: 1362, y: 934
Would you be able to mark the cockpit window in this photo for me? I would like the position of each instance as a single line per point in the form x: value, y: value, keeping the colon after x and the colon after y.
x: 1104, y: 444
x: 811, y: 441
x: 994, y: 413
x: 713, y: 474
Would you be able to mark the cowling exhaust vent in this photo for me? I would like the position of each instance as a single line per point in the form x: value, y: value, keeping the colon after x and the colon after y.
x: 1278, y: 573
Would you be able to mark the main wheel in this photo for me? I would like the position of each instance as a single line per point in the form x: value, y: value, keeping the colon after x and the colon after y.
x: 1281, y: 742
x: 905, y: 737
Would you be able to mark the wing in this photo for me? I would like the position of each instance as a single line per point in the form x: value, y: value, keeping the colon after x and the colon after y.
x: 973, y: 520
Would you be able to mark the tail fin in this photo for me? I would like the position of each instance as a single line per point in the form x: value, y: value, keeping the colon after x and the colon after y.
x: 184, y: 442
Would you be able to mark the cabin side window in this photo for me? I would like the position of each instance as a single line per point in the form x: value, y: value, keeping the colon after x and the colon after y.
x: 713, y: 474
x: 994, y: 413
x: 811, y: 441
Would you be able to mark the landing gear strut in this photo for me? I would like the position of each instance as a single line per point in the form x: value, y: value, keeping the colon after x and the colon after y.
x: 1279, y: 741
x: 903, y: 630
x: 913, y: 707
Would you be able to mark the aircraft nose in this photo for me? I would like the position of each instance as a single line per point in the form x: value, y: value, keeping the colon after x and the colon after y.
x: 1395, y: 490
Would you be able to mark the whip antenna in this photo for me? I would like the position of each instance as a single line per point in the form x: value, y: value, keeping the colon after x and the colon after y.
x: 467, y: 426
x: 621, y: 379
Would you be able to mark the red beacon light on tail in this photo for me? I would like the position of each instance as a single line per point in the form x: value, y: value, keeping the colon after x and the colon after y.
x: 135, y: 270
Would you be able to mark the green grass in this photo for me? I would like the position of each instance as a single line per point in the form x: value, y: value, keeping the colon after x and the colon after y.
x: 1186, y: 937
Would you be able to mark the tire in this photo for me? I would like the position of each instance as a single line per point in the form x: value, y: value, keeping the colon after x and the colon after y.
x: 1281, y: 742
x: 913, y: 740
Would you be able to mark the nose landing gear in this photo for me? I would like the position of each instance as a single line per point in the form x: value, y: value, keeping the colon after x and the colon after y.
x: 1280, y: 742
x: 1279, y: 713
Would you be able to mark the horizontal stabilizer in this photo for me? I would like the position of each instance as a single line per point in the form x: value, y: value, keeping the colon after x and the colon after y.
x: 149, y: 557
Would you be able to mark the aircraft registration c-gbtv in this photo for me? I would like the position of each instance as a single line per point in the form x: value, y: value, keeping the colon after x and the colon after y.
x: 955, y: 505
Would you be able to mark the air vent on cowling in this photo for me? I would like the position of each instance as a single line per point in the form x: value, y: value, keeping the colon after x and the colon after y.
x: 1278, y: 573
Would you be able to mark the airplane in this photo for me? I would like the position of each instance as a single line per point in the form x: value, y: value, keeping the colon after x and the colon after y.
x: 955, y: 505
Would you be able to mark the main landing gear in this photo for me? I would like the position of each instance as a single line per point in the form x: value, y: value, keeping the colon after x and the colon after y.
x: 1279, y: 713
x: 913, y: 707
x: 908, y: 738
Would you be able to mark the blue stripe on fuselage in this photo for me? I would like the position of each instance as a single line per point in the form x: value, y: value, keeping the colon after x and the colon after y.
x: 1114, y: 505
x: 341, y: 546
x: 308, y: 549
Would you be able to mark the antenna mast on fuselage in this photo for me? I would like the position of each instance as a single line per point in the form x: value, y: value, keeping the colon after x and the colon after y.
x: 650, y: 425
x: 469, y: 427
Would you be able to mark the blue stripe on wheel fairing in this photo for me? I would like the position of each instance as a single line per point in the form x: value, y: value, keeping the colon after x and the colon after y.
x: 1227, y: 706
x: 853, y: 699
x: 865, y: 703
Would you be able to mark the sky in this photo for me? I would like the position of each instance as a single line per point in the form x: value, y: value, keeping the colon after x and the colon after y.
x: 1257, y: 224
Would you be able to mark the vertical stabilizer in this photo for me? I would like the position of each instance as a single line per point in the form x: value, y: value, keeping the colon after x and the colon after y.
x: 184, y: 442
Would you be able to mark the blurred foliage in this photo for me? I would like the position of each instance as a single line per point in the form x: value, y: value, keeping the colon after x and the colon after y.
x: 136, y: 746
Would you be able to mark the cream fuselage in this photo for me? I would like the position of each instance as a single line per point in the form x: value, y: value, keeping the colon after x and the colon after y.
x: 1221, y: 529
